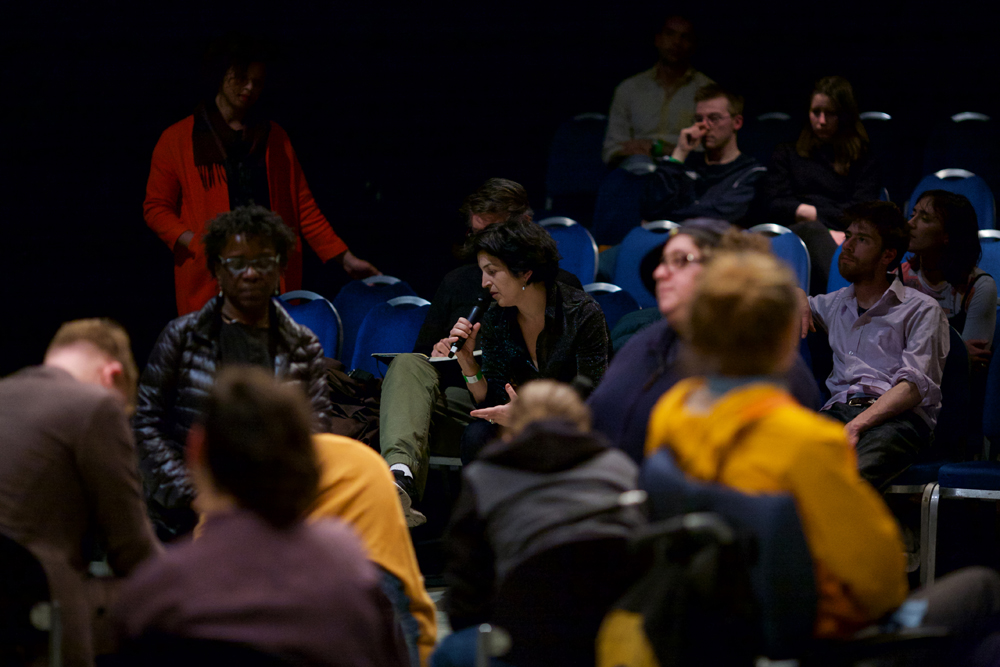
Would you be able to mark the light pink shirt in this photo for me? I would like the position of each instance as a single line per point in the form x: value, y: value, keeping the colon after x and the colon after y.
x: 904, y: 336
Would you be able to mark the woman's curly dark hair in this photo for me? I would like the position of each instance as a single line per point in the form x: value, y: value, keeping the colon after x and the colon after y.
x: 249, y: 220
x: 522, y: 246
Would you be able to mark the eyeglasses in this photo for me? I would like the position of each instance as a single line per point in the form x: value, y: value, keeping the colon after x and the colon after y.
x: 712, y: 118
x: 679, y: 262
x: 238, y: 265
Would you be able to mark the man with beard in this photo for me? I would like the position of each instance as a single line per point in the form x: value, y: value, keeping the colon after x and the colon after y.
x: 889, y: 347
x: 719, y: 182
x: 225, y: 156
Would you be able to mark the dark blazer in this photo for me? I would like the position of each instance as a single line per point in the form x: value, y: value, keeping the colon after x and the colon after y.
x: 178, y: 378
x: 68, y: 475
x: 573, y: 342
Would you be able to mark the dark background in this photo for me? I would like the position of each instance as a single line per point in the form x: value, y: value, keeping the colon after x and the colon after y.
x: 396, y: 114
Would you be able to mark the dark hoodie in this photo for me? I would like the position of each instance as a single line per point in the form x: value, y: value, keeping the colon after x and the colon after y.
x: 699, y: 190
x: 524, y: 496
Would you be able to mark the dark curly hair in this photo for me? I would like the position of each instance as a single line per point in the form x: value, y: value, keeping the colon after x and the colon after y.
x: 888, y: 221
x: 963, y: 249
x: 258, y: 446
x: 522, y: 246
x: 250, y: 221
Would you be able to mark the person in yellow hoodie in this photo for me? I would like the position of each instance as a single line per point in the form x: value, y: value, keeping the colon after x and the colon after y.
x: 738, y: 427
x: 356, y: 486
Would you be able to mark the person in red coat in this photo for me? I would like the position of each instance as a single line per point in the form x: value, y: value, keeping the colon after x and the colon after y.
x: 221, y: 157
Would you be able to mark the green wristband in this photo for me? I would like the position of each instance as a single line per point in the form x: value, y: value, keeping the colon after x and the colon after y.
x: 473, y: 379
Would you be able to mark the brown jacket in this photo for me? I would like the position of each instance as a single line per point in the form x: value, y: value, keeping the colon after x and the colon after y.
x: 68, y: 473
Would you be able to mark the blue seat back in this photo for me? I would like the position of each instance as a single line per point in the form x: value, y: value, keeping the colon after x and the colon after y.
x: 614, y: 301
x: 575, y: 165
x: 782, y: 576
x: 761, y: 135
x: 356, y: 299
x: 965, y: 141
x: 618, y: 206
x: 576, y: 247
x: 990, y: 259
x: 991, y: 404
x: 389, y: 327
x: 835, y: 281
x: 634, y: 247
x: 789, y: 248
x: 973, y: 187
x: 319, y: 316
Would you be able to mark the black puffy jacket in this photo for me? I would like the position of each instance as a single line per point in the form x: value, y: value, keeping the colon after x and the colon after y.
x: 178, y: 377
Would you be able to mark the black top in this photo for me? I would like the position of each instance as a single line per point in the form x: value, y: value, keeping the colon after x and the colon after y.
x: 573, y: 342
x: 242, y: 344
x: 699, y: 190
x: 455, y: 298
x: 792, y: 180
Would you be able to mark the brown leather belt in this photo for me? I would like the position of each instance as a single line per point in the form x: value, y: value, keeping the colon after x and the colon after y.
x: 861, y: 401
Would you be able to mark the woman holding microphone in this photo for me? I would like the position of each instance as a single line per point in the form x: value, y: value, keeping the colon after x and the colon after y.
x: 535, y: 328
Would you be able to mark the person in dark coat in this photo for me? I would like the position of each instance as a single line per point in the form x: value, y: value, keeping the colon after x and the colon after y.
x: 811, y: 182
x: 548, y: 482
x: 68, y: 472
x: 245, y: 250
x: 718, y: 182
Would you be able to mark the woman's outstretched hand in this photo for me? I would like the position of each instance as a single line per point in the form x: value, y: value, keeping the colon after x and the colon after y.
x: 498, y: 414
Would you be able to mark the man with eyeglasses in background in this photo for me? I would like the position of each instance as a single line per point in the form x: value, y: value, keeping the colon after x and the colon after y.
x: 719, y: 182
x: 246, y: 250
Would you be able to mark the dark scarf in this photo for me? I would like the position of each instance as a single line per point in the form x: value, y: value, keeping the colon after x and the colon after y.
x: 236, y: 157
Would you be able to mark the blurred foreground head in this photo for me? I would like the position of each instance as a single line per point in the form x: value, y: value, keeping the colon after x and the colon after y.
x: 744, y: 316
x: 98, y: 351
x: 547, y: 399
x: 255, y: 445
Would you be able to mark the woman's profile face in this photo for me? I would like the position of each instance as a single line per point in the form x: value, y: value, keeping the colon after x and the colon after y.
x: 823, y: 117
x: 248, y: 272
x: 676, y: 276
x: 505, y: 287
x: 926, y: 228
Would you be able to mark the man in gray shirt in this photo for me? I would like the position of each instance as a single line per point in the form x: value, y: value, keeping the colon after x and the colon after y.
x: 651, y: 108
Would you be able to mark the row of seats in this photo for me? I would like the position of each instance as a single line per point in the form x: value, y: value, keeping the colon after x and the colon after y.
x: 383, y: 314
x: 376, y: 315
x: 579, y: 184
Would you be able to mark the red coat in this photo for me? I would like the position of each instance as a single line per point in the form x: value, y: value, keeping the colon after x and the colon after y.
x: 176, y: 202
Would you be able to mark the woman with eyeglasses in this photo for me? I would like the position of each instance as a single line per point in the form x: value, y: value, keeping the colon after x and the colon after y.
x: 246, y: 250
x: 811, y: 182
x: 653, y: 360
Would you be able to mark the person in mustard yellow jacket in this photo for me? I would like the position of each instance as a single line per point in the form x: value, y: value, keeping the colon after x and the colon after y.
x: 356, y: 486
x: 738, y: 427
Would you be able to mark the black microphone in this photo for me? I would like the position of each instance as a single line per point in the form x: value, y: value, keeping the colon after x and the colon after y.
x: 474, y: 315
